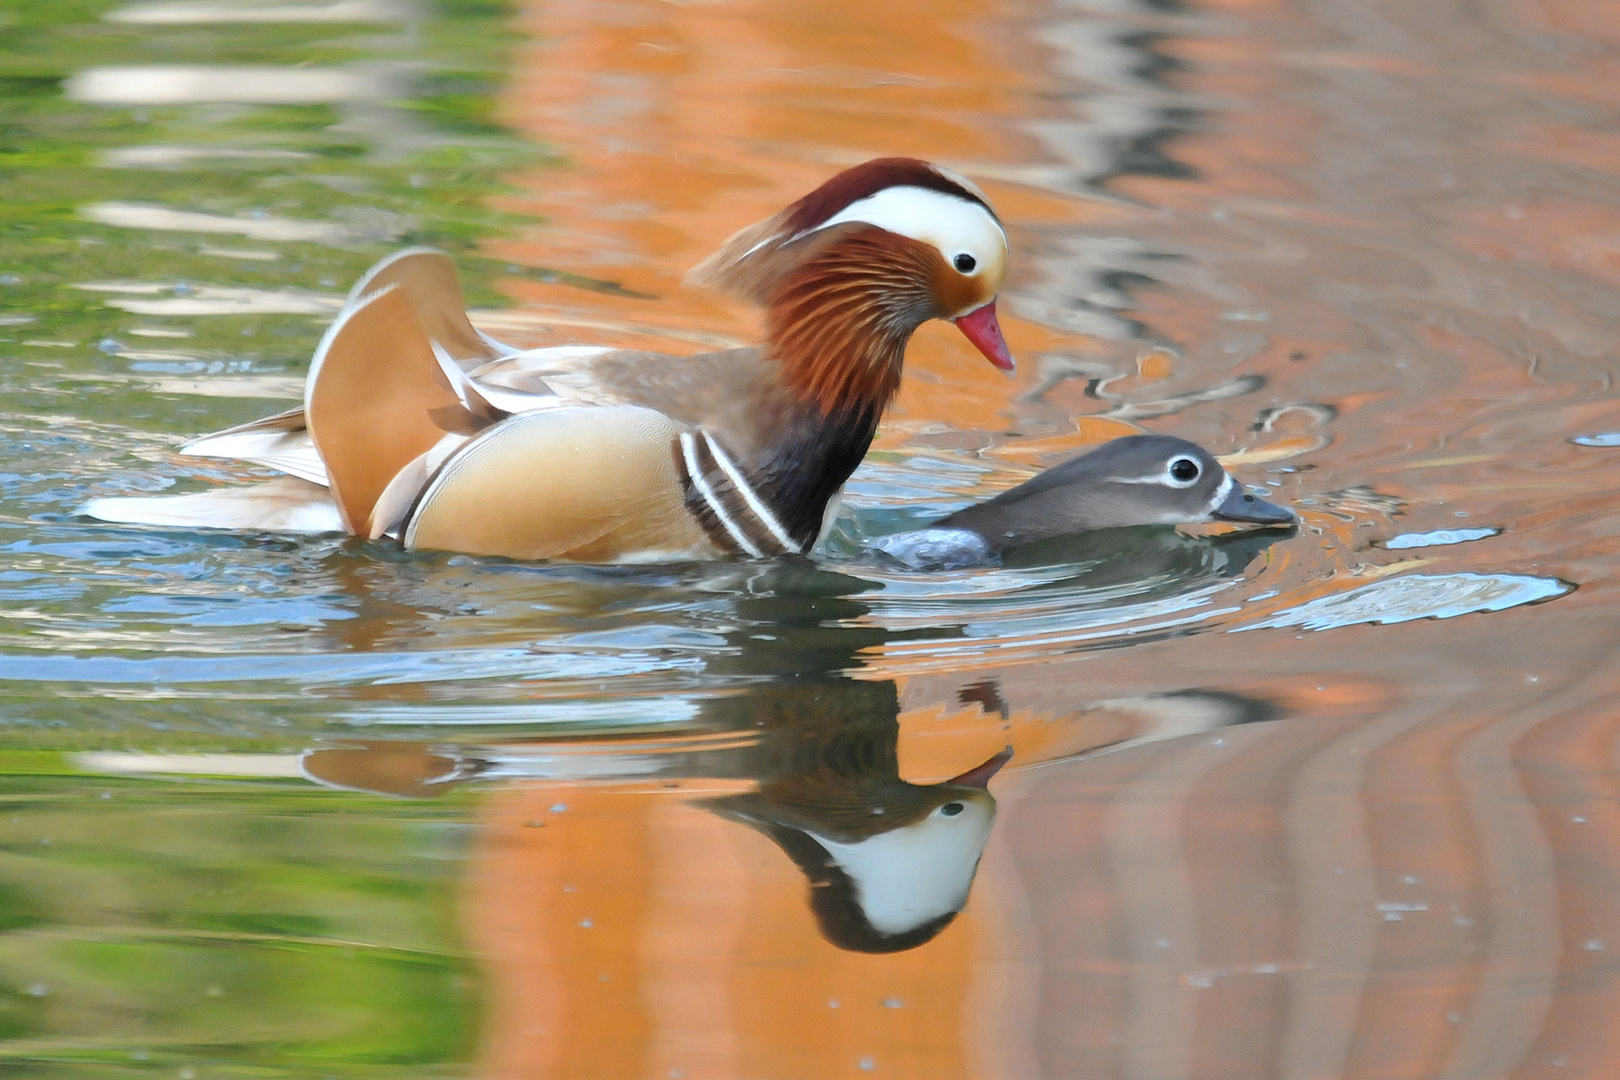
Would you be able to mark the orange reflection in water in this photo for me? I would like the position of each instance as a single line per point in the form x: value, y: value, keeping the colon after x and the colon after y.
x: 681, y: 123
x: 1414, y: 877
x: 635, y: 934
x: 1404, y: 886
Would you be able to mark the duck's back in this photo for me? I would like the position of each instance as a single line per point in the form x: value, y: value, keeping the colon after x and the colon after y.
x: 570, y: 452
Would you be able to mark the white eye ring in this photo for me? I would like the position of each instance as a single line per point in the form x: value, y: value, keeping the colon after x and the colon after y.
x: 965, y: 263
x: 1183, y: 472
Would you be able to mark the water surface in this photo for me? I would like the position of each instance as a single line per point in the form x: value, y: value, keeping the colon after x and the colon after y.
x: 1335, y: 802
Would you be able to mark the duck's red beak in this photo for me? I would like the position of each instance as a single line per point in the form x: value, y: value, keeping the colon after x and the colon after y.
x: 979, y: 776
x: 984, y: 331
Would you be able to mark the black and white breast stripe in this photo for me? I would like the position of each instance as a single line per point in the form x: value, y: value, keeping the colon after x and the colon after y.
x: 732, y: 514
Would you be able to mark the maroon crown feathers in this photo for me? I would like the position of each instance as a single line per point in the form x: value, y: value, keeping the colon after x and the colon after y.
x: 867, y: 179
x: 752, y: 260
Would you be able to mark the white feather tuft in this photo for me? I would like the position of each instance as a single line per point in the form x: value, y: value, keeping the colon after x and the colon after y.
x: 284, y: 505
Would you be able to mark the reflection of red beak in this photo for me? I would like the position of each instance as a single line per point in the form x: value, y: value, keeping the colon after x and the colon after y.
x: 984, y: 331
x: 979, y: 776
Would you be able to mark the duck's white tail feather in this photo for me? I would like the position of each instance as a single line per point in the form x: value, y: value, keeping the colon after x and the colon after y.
x: 500, y: 348
x: 291, y: 452
x: 563, y: 372
x: 492, y: 401
x: 546, y: 358
x: 286, y: 504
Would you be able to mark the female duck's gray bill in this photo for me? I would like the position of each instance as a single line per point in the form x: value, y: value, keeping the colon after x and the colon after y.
x: 1241, y: 506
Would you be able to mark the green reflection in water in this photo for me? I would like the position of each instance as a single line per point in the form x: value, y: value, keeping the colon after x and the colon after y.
x: 242, y: 929
x: 204, y: 927
x: 400, y: 146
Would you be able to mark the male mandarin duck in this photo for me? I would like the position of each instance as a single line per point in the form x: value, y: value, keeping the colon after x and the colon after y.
x: 417, y: 426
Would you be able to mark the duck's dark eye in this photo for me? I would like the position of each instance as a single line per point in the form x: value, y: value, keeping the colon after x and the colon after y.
x: 951, y: 809
x: 965, y: 263
x: 1184, y: 469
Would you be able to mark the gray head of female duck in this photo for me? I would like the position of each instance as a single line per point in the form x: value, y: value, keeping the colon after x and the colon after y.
x: 1135, y: 480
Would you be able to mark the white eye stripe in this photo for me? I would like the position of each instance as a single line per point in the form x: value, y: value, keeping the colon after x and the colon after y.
x: 952, y: 224
x: 905, y: 877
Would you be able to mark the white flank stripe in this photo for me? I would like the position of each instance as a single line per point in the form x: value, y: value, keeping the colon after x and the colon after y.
x: 688, y: 451
x: 760, y: 510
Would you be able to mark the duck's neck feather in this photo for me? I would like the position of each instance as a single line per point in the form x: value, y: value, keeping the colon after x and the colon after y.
x: 838, y: 325
x: 840, y: 358
x: 801, y: 470
x: 801, y: 414
x: 838, y: 330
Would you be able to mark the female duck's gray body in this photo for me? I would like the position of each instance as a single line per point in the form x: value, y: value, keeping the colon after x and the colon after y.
x: 1135, y: 480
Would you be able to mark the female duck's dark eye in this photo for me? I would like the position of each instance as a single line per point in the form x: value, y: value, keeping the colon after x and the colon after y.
x: 1184, y: 469
x: 965, y: 263
x: 951, y: 809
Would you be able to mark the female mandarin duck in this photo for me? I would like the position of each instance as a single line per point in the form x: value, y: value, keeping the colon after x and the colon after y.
x: 1131, y: 481
x: 419, y: 427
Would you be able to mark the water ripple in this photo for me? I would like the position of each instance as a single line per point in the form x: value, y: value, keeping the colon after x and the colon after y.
x: 1439, y: 538
x: 1418, y: 596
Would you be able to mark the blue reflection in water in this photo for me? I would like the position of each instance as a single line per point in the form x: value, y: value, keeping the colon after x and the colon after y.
x: 1418, y: 596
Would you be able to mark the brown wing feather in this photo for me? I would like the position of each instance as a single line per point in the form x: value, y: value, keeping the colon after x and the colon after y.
x: 428, y: 280
x: 738, y: 267
x: 376, y: 401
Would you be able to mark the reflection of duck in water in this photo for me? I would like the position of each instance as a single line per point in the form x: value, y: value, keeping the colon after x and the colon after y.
x: 890, y: 863
x: 813, y: 756
x: 1132, y: 481
x: 890, y: 881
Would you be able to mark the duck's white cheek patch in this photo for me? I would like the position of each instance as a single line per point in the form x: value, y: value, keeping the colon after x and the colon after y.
x: 917, y: 873
x: 953, y: 225
x: 1222, y: 493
